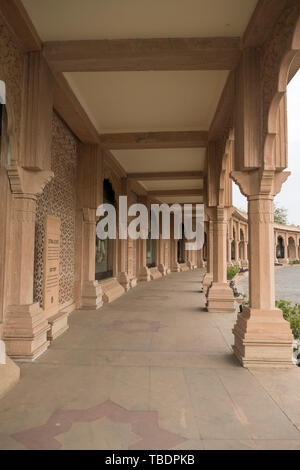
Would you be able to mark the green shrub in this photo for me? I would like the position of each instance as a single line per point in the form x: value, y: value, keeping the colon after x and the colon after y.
x: 232, y: 271
x: 291, y: 313
x: 296, y: 261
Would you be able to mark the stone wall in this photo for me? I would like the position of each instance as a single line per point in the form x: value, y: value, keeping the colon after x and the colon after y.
x: 59, y: 199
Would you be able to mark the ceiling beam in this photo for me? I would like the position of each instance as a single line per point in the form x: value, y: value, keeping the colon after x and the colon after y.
x: 16, y: 19
x: 70, y: 110
x: 163, y: 176
x: 143, y: 54
x: 154, y: 140
x: 224, y: 114
x: 176, y: 192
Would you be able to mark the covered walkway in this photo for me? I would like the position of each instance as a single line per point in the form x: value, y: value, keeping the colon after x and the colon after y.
x: 152, y: 370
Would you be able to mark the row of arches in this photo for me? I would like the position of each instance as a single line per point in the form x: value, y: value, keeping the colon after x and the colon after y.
x: 291, y: 251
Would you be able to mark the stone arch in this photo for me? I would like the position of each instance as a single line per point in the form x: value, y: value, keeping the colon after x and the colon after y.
x: 280, y: 250
x: 105, y: 249
x: 278, y: 56
x: 241, y: 245
x: 11, y: 73
x: 291, y: 248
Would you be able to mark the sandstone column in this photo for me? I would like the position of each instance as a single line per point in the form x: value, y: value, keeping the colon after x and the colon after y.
x: 161, y: 256
x: 91, y: 292
x: 200, y: 262
x: 208, y: 278
x: 144, y: 272
x: 26, y: 326
x: 262, y: 336
x: 229, y: 244
x: 220, y: 297
x: 236, y: 251
x: 123, y: 277
x: 245, y: 260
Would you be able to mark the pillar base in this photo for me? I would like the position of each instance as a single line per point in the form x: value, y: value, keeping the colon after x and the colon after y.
x: 144, y: 275
x: 124, y: 280
x: 162, y: 269
x: 183, y: 267
x: 245, y: 263
x: 207, y: 282
x: 25, y: 332
x: 262, y: 338
x: 91, y: 295
x: 133, y: 282
x: 220, y: 298
x: 175, y: 268
x: 58, y: 325
x: 112, y: 290
x: 191, y: 266
x: 155, y: 274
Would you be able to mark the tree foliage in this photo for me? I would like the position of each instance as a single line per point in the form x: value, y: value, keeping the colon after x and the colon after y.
x: 280, y: 215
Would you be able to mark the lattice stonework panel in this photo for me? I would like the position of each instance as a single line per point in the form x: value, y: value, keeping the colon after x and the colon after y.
x: 58, y: 199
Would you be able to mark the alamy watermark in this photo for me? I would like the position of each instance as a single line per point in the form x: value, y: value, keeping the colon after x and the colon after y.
x: 188, y: 222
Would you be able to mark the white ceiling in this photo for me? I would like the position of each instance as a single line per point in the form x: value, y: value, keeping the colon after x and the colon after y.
x: 118, y: 102
x: 181, y: 199
x: 172, y: 184
x: 115, y: 19
x: 149, y: 160
x: 149, y: 101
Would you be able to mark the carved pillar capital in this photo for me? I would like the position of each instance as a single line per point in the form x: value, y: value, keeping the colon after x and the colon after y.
x: 259, y: 182
x: 27, y: 182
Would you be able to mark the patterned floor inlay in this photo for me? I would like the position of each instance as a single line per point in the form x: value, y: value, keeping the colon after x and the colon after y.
x: 105, y: 426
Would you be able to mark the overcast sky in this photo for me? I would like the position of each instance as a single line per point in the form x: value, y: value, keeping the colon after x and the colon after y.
x: 289, y: 196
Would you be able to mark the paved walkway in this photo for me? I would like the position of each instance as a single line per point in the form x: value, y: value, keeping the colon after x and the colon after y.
x: 287, y: 284
x: 152, y: 370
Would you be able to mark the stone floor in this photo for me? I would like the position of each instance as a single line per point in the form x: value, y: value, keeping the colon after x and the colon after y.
x: 287, y: 282
x: 152, y: 370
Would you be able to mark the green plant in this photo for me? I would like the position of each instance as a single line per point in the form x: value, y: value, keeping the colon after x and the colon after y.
x: 232, y: 271
x: 296, y: 261
x: 291, y: 313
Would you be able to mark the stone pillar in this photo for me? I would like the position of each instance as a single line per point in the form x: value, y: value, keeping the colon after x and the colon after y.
x: 220, y: 296
x: 144, y: 272
x: 262, y: 336
x: 189, y: 259
x: 229, y: 244
x: 208, y: 278
x: 91, y: 292
x: 236, y: 252
x: 174, y: 262
x: 123, y: 277
x: 200, y: 259
x: 245, y: 259
x: 161, y: 256
x: 26, y: 326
